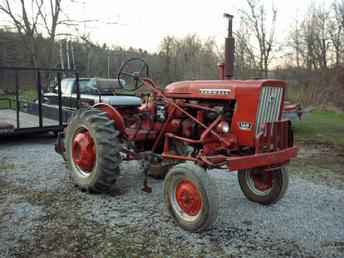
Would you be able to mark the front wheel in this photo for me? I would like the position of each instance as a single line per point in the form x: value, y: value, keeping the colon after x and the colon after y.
x: 191, y: 197
x: 264, y: 187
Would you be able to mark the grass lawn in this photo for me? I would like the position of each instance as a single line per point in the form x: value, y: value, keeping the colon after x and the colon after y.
x: 321, y: 127
x: 26, y: 95
x: 320, y: 137
x: 4, y: 102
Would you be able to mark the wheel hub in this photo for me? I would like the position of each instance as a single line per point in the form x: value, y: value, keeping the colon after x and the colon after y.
x: 83, y: 151
x: 262, y: 181
x: 189, y: 198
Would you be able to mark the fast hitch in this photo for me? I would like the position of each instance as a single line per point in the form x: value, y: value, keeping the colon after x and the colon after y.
x: 146, y: 158
x: 146, y: 166
x: 147, y: 161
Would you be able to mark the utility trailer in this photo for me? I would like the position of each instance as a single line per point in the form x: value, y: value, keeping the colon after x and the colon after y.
x: 22, y: 115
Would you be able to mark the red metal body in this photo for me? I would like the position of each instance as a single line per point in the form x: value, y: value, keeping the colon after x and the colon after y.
x: 189, y: 198
x: 84, y: 153
x: 245, y: 93
x: 224, y: 122
x: 187, y: 106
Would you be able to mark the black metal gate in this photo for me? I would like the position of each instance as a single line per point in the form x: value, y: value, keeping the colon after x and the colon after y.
x: 18, y: 114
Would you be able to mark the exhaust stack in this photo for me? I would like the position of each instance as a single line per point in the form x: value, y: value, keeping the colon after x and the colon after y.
x: 229, y: 50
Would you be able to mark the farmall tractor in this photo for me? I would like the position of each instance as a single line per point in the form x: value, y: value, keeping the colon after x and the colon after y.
x: 185, y: 129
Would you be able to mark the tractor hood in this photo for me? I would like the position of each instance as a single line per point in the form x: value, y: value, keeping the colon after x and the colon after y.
x: 221, y: 89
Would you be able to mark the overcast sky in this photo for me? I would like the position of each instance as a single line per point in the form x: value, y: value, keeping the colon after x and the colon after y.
x: 143, y: 23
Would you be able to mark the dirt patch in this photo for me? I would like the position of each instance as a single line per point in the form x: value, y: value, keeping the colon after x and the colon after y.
x: 320, y: 163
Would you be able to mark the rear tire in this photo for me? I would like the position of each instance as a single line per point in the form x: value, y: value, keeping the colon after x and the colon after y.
x: 263, y: 187
x: 191, y: 197
x: 102, y: 176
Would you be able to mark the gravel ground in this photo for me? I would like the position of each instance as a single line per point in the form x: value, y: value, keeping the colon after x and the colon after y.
x: 43, y: 215
x: 25, y: 119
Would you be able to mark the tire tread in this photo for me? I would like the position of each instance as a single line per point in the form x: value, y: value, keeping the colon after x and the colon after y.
x: 105, y: 135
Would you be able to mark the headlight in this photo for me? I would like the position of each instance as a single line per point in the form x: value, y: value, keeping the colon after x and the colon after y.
x: 223, y: 127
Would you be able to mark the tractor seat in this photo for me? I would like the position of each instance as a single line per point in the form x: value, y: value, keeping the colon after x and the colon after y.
x: 123, y: 101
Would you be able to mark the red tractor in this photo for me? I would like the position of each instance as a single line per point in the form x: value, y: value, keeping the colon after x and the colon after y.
x: 188, y: 127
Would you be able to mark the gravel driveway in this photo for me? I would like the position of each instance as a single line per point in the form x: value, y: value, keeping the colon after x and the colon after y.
x: 43, y: 215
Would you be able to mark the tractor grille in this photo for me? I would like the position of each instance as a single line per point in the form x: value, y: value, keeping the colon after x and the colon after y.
x: 269, y: 106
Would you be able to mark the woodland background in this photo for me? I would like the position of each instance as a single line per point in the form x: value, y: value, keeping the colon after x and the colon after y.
x: 311, y: 59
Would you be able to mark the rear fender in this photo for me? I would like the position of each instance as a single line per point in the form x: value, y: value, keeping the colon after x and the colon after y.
x: 112, y: 114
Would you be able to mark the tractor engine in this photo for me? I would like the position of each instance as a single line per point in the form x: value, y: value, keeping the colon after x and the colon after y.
x: 207, y: 114
x: 161, y: 112
x: 216, y: 113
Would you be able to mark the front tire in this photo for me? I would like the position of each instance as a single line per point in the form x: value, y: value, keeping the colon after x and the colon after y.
x: 264, y: 187
x: 191, y: 197
x: 92, y: 150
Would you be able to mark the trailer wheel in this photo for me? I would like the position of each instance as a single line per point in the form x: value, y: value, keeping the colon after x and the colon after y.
x: 263, y: 187
x: 191, y: 197
x: 92, y: 150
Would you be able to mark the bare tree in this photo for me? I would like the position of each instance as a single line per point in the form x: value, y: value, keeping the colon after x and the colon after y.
x: 316, y: 33
x: 188, y: 58
x: 339, y: 11
x: 53, y: 14
x: 264, y: 31
x: 317, y: 44
x: 336, y: 30
x: 295, y: 42
x: 29, y: 19
x: 245, y: 59
x: 322, y: 37
x: 167, y: 52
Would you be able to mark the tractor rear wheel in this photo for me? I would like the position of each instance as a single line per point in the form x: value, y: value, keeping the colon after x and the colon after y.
x: 264, y: 187
x: 92, y: 150
x: 191, y: 197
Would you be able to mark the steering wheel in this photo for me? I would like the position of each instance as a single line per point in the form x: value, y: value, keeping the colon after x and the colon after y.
x: 131, y: 73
